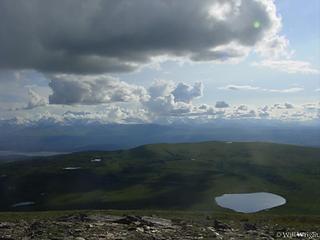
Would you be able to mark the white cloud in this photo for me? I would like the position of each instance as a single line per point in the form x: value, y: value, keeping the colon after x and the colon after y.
x: 169, y: 99
x: 70, y: 115
x: 111, y: 114
x: 109, y: 100
x: 275, y: 47
x: 289, y: 106
x: 161, y: 88
x: 288, y: 90
x: 289, y: 66
x: 162, y: 97
x: 242, y: 108
x: 276, y: 52
x: 249, y: 114
x: 220, y: 10
x: 239, y: 87
x: 254, y: 88
x: 164, y: 110
x: 87, y: 90
x: 186, y: 93
x: 311, y: 106
x: 165, y: 105
x: 35, y: 100
x: 22, y: 90
x: 283, y: 106
x: 263, y: 112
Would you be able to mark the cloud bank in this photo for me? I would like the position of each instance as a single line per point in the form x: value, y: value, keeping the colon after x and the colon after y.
x: 163, y: 100
x: 80, y: 36
x: 170, y: 112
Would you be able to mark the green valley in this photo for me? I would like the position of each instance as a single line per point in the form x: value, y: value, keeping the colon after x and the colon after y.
x: 184, y: 176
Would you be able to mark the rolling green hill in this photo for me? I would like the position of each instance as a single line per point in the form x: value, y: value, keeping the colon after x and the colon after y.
x: 165, y: 176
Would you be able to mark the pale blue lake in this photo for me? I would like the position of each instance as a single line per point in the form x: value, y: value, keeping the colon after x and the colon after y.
x: 250, y: 202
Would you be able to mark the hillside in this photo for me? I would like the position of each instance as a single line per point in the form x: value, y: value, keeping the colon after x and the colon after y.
x: 164, y: 176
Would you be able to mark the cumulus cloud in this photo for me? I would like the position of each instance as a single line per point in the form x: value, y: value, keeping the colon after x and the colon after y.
x: 241, y: 112
x: 242, y: 108
x: 275, y: 47
x: 186, y: 93
x: 221, y: 104
x: 283, y: 106
x: 162, y: 98
x: 161, y: 88
x: 250, y: 114
x: 166, y: 98
x: 90, y: 90
x: 22, y: 90
x: 310, y: 106
x: 263, y: 112
x: 288, y: 111
x: 35, y: 100
x: 289, y: 106
x: 167, y: 106
x: 289, y: 66
x: 79, y: 36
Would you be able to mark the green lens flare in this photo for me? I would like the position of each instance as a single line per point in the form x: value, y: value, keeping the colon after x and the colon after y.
x: 256, y: 24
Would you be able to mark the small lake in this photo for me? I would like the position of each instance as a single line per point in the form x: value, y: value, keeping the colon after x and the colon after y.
x: 22, y: 204
x: 71, y: 168
x: 250, y: 202
x: 96, y: 160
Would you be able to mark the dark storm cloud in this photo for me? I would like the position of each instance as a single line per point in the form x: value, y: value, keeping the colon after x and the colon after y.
x: 81, y: 36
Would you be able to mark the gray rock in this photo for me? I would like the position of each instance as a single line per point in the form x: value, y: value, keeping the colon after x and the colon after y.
x: 220, y: 226
x: 249, y: 226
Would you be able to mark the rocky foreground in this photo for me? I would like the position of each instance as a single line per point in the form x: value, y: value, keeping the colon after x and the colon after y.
x: 102, y: 227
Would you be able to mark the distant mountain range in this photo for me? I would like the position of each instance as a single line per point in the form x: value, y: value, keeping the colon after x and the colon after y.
x: 96, y: 136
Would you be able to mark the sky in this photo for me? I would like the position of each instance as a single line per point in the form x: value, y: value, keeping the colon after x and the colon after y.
x: 159, y: 61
